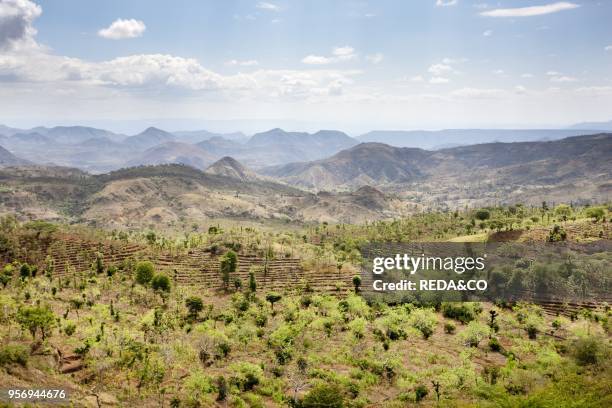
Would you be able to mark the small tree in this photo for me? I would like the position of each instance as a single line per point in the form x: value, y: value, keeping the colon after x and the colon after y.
x: 195, y: 305
x: 25, y: 271
x: 252, y: 282
x: 144, y: 272
x: 273, y: 297
x: 356, y: 282
x: 35, y: 319
x: 221, y: 388
x: 161, y: 283
x: 99, y: 264
x: 227, y: 266
x: 482, y: 215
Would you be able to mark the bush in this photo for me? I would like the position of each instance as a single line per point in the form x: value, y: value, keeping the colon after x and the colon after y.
x: 144, y: 272
x: 161, y: 282
x: 557, y: 234
x: 194, y: 304
x: 449, y: 328
x: 25, y: 271
x: 14, y: 354
x: 463, y: 312
x: 424, y: 320
x: 324, y: 395
x: 474, y: 333
x: 111, y: 270
x: 69, y: 329
x: 420, y: 392
x: 589, y: 351
x: 494, y: 345
x: 247, y: 375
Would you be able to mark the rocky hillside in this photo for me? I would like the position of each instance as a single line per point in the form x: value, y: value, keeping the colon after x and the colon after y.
x: 230, y: 167
x: 169, y: 195
x: 552, y: 166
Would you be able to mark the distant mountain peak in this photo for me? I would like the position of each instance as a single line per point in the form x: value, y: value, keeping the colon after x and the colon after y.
x: 229, y: 167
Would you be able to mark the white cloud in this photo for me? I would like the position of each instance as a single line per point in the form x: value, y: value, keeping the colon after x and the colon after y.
x: 417, y: 78
x: 531, y: 10
x: 608, y: 48
x: 553, y: 73
x: 439, y: 80
x: 339, y: 54
x: 263, y: 5
x: 121, y: 29
x: 316, y: 60
x: 439, y: 69
x: 16, y: 17
x: 527, y: 75
x: 345, y: 52
x: 563, y: 78
x: 446, y: 3
x: 246, y: 63
x: 498, y: 72
x: 375, y: 58
x: 487, y: 33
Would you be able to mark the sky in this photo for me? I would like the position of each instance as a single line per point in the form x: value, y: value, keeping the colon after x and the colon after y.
x: 304, y: 65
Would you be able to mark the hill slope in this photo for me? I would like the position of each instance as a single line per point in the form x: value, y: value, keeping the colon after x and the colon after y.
x: 580, y: 166
x: 230, y: 167
x: 174, y: 195
x: 9, y: 159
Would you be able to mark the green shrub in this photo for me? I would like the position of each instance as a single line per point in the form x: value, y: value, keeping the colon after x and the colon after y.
x: 449, y: 328
x: 590, y: 350
x: 494, y: 345
x: 424, y: 320
x: 324, y: 395
x: 463, y: 312
x: 161, y: 282
x: 69, y: 329
x: 14, y: 354
x: 144, y: 272
x: 474, y: 333
x: 246, y: 375
x: 194, y: 304
x: 420, y: 392
x: 111, y: 270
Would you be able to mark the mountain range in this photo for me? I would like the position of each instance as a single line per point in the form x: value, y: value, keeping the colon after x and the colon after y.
x: 579, y: 167
x: 367, y: 181
x: 98, y: 150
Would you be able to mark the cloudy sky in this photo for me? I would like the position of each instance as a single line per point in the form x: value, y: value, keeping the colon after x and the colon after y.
x: 352, y: 65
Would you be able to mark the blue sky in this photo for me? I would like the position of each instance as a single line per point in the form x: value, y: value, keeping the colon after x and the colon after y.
x: 352, y: 65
